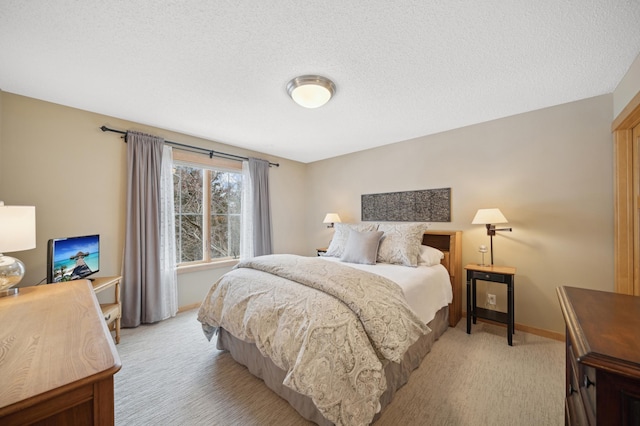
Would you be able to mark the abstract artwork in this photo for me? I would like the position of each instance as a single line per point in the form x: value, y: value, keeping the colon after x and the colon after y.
x: 428, y: 205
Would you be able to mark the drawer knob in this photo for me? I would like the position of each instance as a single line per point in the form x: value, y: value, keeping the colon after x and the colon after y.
x: 588, y: 382
x: 107, y: 318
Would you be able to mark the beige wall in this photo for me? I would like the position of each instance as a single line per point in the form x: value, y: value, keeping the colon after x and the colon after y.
x: 549, y: 171
x: 1, y: 121
x: 57, y: 159
x: 627, y: 88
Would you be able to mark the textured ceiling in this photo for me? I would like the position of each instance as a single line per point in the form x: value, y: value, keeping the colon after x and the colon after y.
x: 219, y: 69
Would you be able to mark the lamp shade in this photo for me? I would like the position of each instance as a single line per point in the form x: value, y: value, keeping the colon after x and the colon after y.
x: 489, y: 216
x: 17, y: 228
x: 332, y: 218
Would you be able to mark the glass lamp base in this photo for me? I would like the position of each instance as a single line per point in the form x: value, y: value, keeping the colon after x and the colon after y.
x: 9, y: 292
x: 11, y: 273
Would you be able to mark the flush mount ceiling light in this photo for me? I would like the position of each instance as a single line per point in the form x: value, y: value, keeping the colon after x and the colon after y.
x: 311, y: 91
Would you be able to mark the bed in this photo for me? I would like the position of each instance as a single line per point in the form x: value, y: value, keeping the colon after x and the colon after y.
x: 306, y: 346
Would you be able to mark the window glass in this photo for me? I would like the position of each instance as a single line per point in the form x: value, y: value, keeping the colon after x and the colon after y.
x: 188, y: 201
x: 207, y: 203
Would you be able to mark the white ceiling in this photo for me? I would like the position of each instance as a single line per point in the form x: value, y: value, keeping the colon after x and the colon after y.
x: 404, y: 69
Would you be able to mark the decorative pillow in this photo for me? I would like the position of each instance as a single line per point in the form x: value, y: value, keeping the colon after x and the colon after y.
x: 430, y: 256
x: 401, y: 243
x: 362, y: 247
x: 341, y: 234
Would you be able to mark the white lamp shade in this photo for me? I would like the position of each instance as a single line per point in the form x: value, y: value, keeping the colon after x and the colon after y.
x: 17, y: 228
x: 489, y: 216
x: 332, y: 218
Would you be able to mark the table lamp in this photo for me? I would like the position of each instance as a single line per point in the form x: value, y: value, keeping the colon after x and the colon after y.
x: 490, y: 217
x: 17, y: 233
x: 331, y: 218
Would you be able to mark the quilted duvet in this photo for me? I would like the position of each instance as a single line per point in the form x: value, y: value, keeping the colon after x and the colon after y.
x: 332, y: 328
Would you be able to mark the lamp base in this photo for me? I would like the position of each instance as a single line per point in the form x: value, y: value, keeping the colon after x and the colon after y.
x: 9, y: 292
x: 11, y: 273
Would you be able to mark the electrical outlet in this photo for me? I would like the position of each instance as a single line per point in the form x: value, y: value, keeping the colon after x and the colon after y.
x: 491, y: 299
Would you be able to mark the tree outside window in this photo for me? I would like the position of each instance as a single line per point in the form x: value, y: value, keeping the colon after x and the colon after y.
x: 207, y: 213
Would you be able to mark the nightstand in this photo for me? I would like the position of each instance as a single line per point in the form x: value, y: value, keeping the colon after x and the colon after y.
x: 112, y: 312
x: 321, y: 251
x: 496, y: 274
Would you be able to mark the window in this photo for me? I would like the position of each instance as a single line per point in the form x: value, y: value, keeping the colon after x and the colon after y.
x: 207, y: 198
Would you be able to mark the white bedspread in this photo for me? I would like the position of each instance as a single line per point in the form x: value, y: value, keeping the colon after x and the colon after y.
x: 426, y: 288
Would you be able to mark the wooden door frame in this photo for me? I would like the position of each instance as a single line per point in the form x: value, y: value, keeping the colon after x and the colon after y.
x: 626, y: 191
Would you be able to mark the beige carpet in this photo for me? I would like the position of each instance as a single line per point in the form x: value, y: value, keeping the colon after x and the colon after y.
x: 171, y: 375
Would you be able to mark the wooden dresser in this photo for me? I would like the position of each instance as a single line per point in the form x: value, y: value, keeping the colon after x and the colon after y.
x: 57, y: 357
x: 603, y: 357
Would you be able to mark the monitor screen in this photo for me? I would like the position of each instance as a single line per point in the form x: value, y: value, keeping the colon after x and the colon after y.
x: 72, y: 258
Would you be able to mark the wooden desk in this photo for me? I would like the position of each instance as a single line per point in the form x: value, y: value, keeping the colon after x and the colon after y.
x: 58, y: 358
x: 497, y: 274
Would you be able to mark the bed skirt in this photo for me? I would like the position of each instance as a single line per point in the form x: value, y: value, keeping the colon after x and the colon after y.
x: 397, y: 374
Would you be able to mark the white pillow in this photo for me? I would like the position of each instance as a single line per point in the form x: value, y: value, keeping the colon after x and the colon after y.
x: 341, y: 234
x: 362, y: 247
x: 401, y: 243
x: 430, y: 256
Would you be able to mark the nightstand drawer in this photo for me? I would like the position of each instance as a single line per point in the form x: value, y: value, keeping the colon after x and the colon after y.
x: 488, y: 276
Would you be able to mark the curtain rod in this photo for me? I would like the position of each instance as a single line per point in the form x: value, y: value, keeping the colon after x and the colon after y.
x: 185, y: 147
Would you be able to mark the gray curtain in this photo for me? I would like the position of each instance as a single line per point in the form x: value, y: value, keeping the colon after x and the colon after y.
x: 259, y: 171
x: 141, y: 271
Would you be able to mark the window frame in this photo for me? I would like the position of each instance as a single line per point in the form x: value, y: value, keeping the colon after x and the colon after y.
x: 192, y: 159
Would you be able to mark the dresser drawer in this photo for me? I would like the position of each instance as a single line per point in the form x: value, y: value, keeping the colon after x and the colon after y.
x: 588, y: 387
x: 574, y: 411
x: 488, y: 276
x: 581, y: 398
x: 574, y: 373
